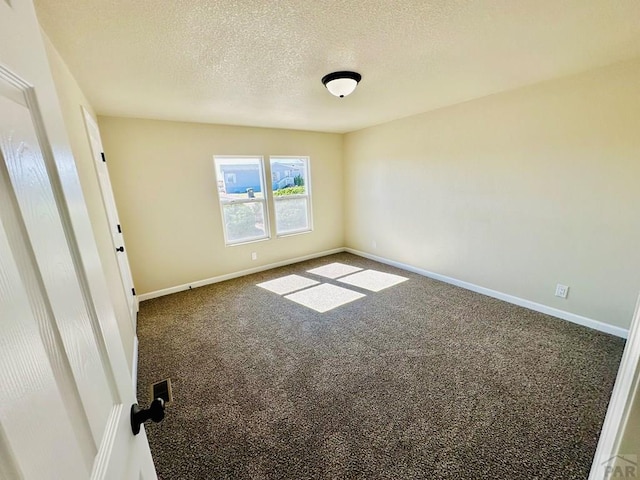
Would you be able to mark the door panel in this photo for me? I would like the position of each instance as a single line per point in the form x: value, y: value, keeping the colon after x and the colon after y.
x: 31, y: 185
x: 32, y: 281
x: 29, y: 383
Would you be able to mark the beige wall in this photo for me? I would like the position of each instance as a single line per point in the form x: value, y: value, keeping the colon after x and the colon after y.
x: 165, y: 188
x: 71, y: 100
x: 514, y: 192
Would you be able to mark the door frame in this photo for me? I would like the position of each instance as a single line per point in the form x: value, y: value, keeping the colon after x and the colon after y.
x: 622, y: 398
x: 108, y: 203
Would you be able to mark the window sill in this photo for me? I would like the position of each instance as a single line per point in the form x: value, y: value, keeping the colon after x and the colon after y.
x: 246, y: 242
x: 294, y: 233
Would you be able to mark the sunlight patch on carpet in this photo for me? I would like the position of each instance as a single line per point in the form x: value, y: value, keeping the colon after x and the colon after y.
x: 324, y: 297
x: 288, y: 284
x: 373, y: 280
x: 334, y: 270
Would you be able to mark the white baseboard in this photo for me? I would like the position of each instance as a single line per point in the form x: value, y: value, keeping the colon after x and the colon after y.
x: 538, y: 307
x: 134, y: 366
x: 229, y: 276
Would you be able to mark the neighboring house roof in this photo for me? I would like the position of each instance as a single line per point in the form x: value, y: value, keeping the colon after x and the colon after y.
x: 237, y: 168
x: 277, y: 166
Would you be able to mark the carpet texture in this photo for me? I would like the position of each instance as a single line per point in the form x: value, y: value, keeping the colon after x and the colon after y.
x: 420, y: 380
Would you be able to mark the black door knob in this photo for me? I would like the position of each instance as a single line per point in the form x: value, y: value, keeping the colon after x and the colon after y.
x: 120, y: 249
x: 155, y: 412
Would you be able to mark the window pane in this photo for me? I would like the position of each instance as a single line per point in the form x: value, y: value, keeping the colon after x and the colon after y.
x: 239, y: 178
x: 289, y: 176
x: 289, y: 182
x: 241, y: 192
x: 291, y: 214
x: 244, y: 221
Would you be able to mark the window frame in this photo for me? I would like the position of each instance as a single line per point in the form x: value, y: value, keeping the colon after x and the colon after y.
x: 239, y: 201
x: 307, y: 195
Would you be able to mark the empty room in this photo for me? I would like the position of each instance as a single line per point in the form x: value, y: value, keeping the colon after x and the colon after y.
x: 320, y: 240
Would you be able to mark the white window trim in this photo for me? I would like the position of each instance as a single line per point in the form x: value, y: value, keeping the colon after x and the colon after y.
x: 263, y: 200
x: 306, y: 195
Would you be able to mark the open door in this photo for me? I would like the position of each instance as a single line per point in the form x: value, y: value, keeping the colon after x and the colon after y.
x: 66, y: 393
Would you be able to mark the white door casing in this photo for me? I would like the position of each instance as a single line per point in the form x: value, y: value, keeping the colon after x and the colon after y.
x: 66, y: 392
x: 111, y: 210
x: 620, y: 405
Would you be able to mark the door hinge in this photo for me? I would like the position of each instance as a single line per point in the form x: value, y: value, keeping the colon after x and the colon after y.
x: 133, y: 291
x: 103, y: 157
x: 119, y: 229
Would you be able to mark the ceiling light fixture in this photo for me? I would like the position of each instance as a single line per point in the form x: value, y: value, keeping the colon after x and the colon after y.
x: 341, y: 84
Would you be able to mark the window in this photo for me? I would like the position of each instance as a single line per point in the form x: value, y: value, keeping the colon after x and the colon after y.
x: 241, y: 192
x: 291, y: 194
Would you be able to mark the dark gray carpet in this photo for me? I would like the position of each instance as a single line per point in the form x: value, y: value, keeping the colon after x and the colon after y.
x: 422, y: 380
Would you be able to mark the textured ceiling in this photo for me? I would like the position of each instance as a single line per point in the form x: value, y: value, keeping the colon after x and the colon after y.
x: 259, y: 63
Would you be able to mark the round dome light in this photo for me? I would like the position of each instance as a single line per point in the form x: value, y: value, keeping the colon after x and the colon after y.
x: 341, y: 84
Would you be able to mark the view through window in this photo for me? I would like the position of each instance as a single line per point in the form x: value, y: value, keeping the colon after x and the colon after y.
x: 241, y: 189
x: 291, y: 194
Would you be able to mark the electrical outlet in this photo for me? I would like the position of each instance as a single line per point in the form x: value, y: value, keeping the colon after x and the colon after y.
x: 562, y: 291
x: 254, y: 255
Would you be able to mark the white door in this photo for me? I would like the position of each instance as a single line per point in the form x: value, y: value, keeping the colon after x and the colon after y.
x: 65, y: 394
x: 112, y: 214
